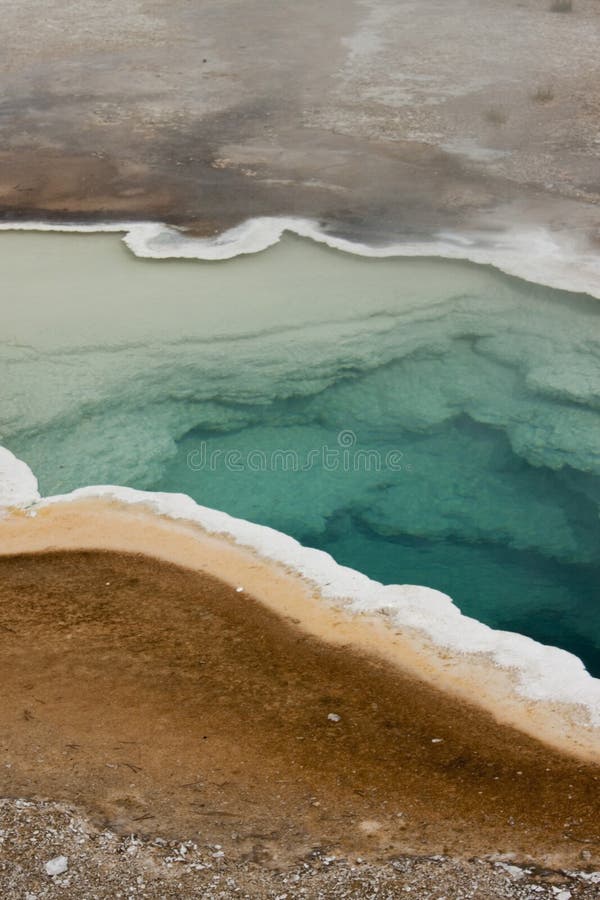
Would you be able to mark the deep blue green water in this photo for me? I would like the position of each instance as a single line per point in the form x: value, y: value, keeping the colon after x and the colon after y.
x: 515, y: 545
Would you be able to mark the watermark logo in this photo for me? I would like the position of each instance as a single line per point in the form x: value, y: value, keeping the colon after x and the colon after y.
x: 344, y: 456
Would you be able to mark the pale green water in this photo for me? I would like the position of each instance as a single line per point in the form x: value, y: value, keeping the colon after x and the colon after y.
x: 423, y: 421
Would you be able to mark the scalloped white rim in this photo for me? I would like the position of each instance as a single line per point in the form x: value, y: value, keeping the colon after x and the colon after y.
x: 542, y: 672
x: 552, y: 258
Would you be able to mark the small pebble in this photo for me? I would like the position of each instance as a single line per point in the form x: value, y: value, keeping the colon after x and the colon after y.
x: 57, y: 866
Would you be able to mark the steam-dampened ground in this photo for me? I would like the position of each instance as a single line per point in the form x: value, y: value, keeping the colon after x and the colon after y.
x: 395, y: 116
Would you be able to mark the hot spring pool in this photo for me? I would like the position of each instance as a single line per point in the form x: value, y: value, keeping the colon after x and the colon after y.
x: 424, y: 421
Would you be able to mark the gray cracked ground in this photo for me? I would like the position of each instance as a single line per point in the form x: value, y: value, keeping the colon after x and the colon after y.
x: 385, y: 116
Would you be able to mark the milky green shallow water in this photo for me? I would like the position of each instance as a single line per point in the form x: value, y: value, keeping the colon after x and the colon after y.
x: 424, y: 421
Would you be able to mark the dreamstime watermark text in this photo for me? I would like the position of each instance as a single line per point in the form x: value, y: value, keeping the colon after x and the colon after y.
x: 344, y: 456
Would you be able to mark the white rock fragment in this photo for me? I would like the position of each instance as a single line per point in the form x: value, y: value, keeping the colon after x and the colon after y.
x: 562, y: 895
x: 57, y: 866
x: 239, y: 589
x: 18, y: 484
x: 513, y: 871
x: 333, y: 717
x: 370, y: 826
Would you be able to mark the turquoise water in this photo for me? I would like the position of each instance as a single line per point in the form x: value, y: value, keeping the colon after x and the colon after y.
x: 423, y: 421
x: 515, y: 545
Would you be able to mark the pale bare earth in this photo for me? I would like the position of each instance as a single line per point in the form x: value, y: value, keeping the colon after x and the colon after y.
x: 383, y: 117
x: 102, y: 865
